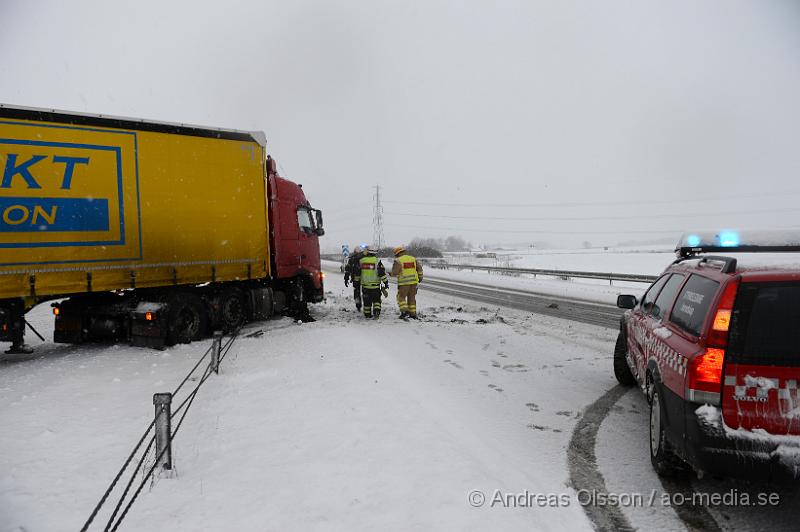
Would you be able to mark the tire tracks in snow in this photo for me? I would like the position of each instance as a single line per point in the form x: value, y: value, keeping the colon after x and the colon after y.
x: 581, y: 458
x: 585, y: 475
x: 583, y: 471
x: 693, y: 516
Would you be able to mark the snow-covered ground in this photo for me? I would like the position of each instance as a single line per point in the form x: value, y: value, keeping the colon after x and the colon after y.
x: 620, y: 455
x: 341, y: 424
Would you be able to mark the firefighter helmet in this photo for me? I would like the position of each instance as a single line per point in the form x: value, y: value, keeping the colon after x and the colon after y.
x: 399, y: 250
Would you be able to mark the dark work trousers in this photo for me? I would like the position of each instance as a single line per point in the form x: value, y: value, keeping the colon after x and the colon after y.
x: 372, y: 302
x: 357, y: 294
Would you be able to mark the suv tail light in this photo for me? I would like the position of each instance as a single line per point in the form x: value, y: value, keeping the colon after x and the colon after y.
x: 718, y: 335
x: 705, y: 371
x: 704, y: 375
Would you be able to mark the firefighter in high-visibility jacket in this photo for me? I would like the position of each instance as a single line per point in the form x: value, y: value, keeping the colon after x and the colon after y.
x: 409, y: 274
x: 371, y: 275
x: 352, y: 267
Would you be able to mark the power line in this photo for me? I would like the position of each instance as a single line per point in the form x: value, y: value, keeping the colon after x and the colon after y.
x: 359, y: 225
x: 704, y: 199
x: 538, y: 231
x: 585, y: 218
x: 338, y: 209
x: 467, y: 230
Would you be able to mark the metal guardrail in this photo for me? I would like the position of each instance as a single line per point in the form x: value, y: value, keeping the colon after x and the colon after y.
x: 562, y: 274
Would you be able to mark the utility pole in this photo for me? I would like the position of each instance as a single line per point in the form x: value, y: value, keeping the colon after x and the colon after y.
x: 377, y: 220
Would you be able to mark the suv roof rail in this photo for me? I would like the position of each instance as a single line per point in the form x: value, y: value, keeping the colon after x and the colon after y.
x: 728, y: 263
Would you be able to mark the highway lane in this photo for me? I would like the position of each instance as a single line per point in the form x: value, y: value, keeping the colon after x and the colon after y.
x: 584, y: 312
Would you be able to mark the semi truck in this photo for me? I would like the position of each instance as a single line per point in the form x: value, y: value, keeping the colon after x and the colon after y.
x: 151, y: 232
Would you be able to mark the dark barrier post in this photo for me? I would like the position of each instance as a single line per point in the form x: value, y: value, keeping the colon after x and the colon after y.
x: 163, y: 404
x: 216, y: 347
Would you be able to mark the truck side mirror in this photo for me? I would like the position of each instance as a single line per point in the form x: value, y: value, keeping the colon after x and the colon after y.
x: 626, y: 301
x: 320, y: 230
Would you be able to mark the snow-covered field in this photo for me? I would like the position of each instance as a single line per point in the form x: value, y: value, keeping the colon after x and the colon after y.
x: 644, y: 260
x: 649, y: 260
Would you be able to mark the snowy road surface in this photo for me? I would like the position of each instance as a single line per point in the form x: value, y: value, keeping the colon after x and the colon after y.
x: 341, y: 424
x: 579, y: 311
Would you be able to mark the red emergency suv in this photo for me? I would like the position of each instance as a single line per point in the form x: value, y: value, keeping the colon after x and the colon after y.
x: 715, y: 345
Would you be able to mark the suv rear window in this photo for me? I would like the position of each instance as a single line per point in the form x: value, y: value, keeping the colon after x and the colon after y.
x: 691, y: 307
x: 765, y: 326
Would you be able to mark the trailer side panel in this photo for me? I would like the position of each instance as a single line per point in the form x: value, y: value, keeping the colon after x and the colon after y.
x: 85, y: 208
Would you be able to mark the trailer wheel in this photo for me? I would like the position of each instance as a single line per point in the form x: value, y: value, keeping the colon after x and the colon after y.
x: 232, y: 309
x: 186, y: 319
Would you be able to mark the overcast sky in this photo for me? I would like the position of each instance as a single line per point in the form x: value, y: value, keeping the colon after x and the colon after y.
x: 503, y: 121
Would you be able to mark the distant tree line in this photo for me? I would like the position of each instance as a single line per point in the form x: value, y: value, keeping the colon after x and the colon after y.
x: 430, y: 247
x: 451, y: 243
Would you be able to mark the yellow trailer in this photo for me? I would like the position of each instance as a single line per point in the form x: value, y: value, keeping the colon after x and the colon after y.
x: 93, y: 204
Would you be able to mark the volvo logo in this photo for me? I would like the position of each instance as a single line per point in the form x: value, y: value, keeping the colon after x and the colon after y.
x: 749, y: 399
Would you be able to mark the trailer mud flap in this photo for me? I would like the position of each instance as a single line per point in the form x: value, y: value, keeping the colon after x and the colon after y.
x: 149, y: 325
x: 5, y: 325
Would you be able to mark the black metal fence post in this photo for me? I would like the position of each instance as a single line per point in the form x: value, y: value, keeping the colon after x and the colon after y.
x: 216, y: 347
x: 163, y: 404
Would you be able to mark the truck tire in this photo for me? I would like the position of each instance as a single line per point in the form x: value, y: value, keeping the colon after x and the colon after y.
x: 186, y: 319
x: 232, y: 309
x: 664, y: 461
x: 621, y: 369
x: 298, y: 304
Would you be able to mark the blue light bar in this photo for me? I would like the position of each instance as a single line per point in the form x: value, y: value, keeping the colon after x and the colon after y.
x: 728, y: 239
x: 738, y: 241
x: 693, y: 241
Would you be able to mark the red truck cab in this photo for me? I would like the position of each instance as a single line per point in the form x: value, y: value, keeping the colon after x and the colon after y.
x: 295, y: 228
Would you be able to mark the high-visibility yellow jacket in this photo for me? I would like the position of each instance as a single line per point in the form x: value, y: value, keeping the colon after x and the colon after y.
x: 407, y: 270
x: 371, y: 272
